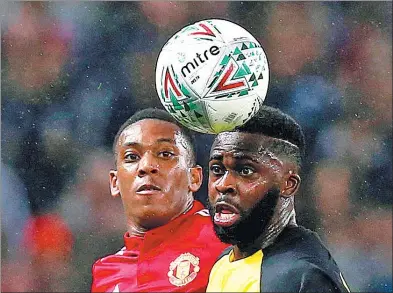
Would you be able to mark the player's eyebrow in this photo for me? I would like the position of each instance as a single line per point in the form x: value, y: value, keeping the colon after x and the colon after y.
x: 215, y: 157
x: 158, y: 141
x: 130, y: 143
x: 237, y: 156
x: 242, y: 156
x: 165, y: 139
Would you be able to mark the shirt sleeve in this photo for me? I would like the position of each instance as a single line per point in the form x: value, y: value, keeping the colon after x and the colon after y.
x: 315, y: 280
x: 93, y: 287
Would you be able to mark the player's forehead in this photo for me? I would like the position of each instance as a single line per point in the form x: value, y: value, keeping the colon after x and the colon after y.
x: 249, y: 143
x: 149, y: 132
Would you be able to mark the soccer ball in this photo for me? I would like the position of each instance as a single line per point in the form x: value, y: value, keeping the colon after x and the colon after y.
x: 212, y: 76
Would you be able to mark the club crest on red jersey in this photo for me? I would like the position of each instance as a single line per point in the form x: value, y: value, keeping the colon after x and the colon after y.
x: 183, y: 269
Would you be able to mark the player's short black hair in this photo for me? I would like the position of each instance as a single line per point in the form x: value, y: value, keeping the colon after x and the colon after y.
x: 274, y: 123
x: 159, y: 114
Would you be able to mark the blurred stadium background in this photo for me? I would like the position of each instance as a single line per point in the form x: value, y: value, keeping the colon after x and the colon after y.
x: 72, y: 72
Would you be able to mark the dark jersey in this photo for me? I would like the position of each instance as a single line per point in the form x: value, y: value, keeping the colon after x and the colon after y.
x: 296, y: 262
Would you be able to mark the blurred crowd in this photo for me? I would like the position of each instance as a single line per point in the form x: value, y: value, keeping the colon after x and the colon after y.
x: 73, y: 72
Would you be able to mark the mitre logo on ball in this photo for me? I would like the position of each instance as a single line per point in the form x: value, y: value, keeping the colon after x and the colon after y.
x: 214, y: 50
x: 212, y: 76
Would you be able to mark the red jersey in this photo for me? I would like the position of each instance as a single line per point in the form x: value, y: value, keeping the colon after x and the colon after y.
x: 176, y: 257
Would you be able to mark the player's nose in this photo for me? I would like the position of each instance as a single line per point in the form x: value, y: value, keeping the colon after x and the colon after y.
x: 226, y: 184
x: 147, y: 165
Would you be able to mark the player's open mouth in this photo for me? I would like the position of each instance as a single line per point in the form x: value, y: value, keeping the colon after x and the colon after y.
x: 147, y: 189
x: 226, y: 215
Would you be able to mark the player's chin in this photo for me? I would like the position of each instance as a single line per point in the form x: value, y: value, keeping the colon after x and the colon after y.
x: 156, y: 218
x: 226, y: 234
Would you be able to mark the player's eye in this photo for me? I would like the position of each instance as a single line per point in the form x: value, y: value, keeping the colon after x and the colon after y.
x: 166, y: 154
x: 216, y: 170
x: 131, y: 157
x: 246, y: 171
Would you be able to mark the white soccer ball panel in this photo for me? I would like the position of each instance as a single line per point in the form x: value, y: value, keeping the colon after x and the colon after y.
x: 192, y: 115
x: 229, y: 31
x: 195, y: 63
x: 224, y: 118
x: 243, y: 68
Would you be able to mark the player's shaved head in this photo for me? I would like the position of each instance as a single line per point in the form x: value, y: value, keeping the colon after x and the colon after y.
x: 158, y: 114
x: 274, y: 123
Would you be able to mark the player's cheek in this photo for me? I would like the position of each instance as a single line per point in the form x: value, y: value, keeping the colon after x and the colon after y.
x: 253, y: 186
x: 247, y: 190
x: 212, y: 191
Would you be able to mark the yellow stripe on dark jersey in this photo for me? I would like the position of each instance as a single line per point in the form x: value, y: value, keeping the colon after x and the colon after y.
x: 242, y: 275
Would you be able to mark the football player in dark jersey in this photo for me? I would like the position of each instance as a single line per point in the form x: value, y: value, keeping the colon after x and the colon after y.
x: 254, y: 174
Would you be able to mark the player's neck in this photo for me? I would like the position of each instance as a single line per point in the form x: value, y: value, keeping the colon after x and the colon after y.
x: 187, y: 206
x: 284, y: 215
x: 136, y: 231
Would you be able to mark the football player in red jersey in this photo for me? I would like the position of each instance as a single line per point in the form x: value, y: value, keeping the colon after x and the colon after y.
x: 170, y: 244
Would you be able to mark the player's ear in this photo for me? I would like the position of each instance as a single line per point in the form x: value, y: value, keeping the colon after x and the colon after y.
x: 290, y: 185
x: 114, y: 184
x: 196, y: 178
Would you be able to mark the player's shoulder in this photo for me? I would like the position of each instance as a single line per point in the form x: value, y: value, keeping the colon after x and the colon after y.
x: 313, y: 277
x: 110, y: 258
x: 298, y: 242
x: 304, y: 276
x: 197, y: 217
x: 202, y: 214
x: 300, y: 255
x: 201, y: 227
x: 200, y: 220
x: 297, y: 250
